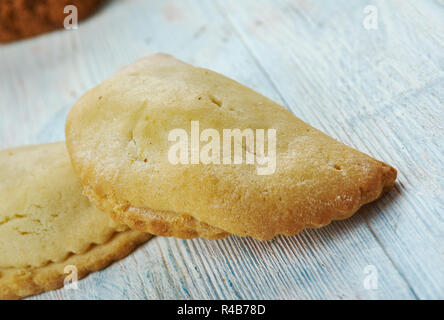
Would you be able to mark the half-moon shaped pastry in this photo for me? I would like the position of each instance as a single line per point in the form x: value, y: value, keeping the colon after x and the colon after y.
x: 156, y: 145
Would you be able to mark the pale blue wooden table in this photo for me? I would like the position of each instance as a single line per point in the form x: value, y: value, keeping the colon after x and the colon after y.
x: 379, y: 90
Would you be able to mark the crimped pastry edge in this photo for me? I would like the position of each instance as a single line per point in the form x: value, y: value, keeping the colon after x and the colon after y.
x: 151, y: 221
x: 23, y: 282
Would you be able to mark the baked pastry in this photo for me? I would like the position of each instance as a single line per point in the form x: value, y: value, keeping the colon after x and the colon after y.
x: 27, y: 18
x: 46, y: 224
x: 119, y: 139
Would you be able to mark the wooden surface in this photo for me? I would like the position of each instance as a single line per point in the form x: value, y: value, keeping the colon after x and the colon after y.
x: 381, y: 91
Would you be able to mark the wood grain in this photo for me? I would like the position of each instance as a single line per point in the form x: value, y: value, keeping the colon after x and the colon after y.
x: 380, y: 91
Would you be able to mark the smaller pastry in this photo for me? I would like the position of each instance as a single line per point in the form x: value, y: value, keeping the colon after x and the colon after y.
x: 48, y: 230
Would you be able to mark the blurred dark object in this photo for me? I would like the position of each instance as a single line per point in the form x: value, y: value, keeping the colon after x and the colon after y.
x: 21, y: 19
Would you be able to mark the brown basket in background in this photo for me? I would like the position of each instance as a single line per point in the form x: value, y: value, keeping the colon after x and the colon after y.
x: 21, y: 19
